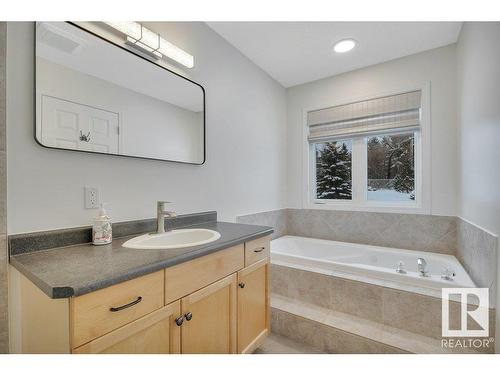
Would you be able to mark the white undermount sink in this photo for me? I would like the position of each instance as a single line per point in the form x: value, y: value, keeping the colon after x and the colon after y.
x: 173, y: 239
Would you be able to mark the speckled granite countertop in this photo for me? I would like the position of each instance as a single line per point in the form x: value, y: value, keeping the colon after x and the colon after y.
x: 79, y: 269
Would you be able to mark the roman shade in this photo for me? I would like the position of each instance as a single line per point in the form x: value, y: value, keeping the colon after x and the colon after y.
x: 393, y: 112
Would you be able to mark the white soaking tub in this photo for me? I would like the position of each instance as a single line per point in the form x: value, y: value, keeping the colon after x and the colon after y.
x: 373, y: 264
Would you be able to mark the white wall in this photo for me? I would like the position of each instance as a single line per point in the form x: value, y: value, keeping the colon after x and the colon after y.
x: 479, y: 124
x: 478, y: 55
x: 437, y: 66
x: 246, y: 146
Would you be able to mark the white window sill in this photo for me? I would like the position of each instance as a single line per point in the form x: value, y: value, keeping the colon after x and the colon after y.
x: 383, y: 207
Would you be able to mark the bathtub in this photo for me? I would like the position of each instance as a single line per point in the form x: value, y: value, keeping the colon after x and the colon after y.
x: 373, y: 264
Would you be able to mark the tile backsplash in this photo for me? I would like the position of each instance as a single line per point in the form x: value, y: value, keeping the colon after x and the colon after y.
x: 414, y: 232
x: 477, y: 251
x: 277, y: 219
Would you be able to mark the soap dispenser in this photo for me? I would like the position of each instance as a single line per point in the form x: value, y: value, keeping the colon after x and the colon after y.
x: 102, y: 230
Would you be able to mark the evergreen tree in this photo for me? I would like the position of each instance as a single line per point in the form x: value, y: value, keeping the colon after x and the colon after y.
x: 333, y: 171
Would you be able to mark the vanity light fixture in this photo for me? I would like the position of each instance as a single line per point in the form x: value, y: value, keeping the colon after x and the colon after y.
x: 344, y: 45
x: 152, y: 43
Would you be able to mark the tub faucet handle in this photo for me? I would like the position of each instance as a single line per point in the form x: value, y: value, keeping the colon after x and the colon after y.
x: 401, y: 267
x: 447, y: 274
x: 422, y: 267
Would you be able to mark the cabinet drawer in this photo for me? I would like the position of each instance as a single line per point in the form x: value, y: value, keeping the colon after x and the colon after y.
x: 155, y: 333
x: 256, y: 250
x: 97, y: 313
x: 185, y: 278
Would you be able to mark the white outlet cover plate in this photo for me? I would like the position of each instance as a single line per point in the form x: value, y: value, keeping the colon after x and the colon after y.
x: 92, y: 199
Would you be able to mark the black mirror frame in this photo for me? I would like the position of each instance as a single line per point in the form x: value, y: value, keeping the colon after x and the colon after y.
x: 141, y: 57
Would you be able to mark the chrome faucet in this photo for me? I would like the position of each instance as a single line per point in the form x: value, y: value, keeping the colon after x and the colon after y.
x: 447, y: 274
x: 401, y: 267
x: 161, y: 213
x: 422, y: 266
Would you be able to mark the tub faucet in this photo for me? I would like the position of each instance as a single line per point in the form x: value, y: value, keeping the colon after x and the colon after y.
x: 422, y: 266
x: 161, y: 213
x: 401, y: 267
x: 447, y: 274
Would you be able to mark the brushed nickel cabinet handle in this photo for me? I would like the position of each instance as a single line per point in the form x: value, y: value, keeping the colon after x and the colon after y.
x: 119, y: 308
x: 179, y: 320
x: 188, y: 316
x: 259, y: 249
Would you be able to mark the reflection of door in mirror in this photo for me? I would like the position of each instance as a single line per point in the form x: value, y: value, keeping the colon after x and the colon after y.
x: 78, y: 127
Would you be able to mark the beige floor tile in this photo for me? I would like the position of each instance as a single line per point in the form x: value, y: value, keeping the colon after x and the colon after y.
x: 276, y: 344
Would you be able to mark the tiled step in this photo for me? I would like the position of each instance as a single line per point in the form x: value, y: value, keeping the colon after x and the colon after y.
x: 276, y: 344
x: 336, y: 332
x: 387, y: 306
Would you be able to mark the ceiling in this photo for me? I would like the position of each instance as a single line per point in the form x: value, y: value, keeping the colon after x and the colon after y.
x: 298, y: 52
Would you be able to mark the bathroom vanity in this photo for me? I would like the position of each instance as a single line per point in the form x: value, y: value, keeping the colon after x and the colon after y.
x: 110, y: 299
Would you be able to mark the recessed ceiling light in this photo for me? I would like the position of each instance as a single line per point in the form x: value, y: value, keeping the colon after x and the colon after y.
x: 344, y: 45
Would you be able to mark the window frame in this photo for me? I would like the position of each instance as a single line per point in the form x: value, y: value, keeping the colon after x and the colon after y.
x: 359, y: 173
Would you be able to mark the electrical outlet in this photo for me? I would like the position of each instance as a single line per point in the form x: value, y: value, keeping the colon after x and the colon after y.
x: 92, y: 197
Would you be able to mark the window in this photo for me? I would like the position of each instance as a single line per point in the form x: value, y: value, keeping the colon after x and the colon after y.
x: 391, y: 167
x: 367, y: 153
x: 333, y: 170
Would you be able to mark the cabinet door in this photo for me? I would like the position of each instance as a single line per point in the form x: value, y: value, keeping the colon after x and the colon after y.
x: 253, y: 306
x: 155, y: 333
x: 210, y: 318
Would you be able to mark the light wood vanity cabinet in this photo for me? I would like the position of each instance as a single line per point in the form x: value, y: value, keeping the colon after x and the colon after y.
x: 218, y: 303
x: 185, y: 278
x: 155, y: 333
x: 210, y: 319
x: 256, y: 250
x: 253, y: 305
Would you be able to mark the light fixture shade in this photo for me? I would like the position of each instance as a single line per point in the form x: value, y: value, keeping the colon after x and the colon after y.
x: 132, y: 29
x: 344, y: 45
x: 152, y: 42
x: 175, y: 53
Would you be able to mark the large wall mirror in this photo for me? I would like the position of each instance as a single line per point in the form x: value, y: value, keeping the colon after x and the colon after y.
x: 96, y: 96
